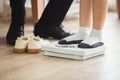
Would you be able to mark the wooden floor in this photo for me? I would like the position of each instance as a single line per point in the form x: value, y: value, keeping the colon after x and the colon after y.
x: 26, y: 66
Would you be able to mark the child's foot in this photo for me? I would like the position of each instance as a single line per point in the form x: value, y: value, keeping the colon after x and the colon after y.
x: 93, y: 41
x: 76, y: 38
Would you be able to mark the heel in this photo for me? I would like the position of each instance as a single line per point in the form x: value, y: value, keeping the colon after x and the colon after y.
x: 41, y: 35
x: 44, y: 35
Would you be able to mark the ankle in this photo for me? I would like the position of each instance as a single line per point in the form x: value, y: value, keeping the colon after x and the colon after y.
x: 96, y: 33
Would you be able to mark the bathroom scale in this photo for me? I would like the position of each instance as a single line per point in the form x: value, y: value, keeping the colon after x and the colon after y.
x: 71, y: 51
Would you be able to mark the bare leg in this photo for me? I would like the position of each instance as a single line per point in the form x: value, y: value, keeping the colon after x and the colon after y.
x: 85, y: 13
x: 99, y: 13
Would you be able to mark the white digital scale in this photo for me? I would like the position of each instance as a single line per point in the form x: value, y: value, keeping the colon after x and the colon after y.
x: 72, y: 51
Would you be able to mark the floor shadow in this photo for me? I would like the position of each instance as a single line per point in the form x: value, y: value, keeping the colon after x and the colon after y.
x: 2, y: 40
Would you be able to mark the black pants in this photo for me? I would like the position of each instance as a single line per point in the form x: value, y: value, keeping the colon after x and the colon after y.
x: 17, y: 12
x: 53, y: 14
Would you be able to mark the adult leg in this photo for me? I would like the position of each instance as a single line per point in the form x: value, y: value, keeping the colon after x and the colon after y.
x: 85, y: 23
x: 55, y: 12
x: 49, y: 24
x: 99, y: 14
x: 17, y: 21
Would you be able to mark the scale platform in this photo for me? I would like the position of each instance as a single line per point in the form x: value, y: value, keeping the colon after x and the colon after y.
x: 72, y: 52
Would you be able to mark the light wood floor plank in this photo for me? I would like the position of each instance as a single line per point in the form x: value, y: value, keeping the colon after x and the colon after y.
x: 24, y: 66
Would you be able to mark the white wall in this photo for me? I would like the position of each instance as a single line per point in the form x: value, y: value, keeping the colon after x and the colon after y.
x: 112, y: 5
x: 1, y: 6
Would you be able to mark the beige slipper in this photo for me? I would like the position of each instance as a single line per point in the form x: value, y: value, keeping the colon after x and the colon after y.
x: 34, y: 45
x: 21, y: 44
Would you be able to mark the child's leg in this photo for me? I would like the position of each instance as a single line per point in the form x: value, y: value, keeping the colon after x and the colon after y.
x: 99, y: 13
x: 85, y: 22
x: 85, y: 13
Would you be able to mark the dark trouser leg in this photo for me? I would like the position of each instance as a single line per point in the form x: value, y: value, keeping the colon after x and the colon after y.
x: 16, y: 28
x: 55, y: 12
x: 49, y: 24
x: 17, y: 12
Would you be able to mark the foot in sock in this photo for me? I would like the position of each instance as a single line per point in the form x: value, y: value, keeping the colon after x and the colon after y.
x: 76, y: 38
x: 93, y: 41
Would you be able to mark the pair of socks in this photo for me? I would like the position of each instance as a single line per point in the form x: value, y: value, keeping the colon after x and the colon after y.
x: 85, y: 38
